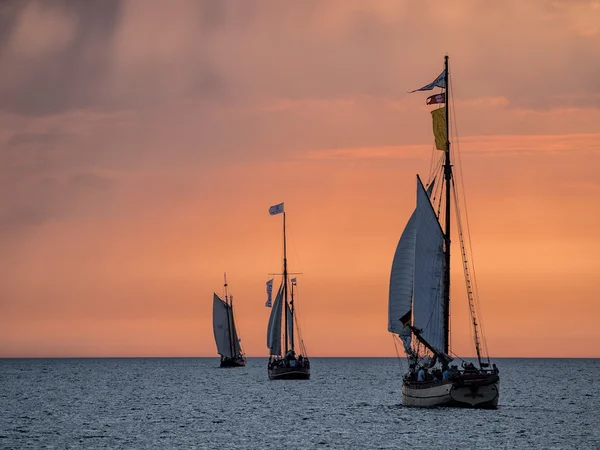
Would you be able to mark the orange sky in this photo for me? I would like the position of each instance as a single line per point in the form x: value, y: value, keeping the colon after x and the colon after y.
x: 137, y: 166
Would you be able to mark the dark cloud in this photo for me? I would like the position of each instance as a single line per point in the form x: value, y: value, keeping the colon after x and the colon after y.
x: 62, y: 77
x: 140, y: 54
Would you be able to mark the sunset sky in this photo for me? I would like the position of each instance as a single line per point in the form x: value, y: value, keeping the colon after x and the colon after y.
x: 142, y: 143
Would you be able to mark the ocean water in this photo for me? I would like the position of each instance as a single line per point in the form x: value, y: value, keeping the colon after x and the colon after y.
x: 350, y: 403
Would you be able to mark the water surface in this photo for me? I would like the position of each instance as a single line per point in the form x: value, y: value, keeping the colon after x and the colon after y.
x: 350, y: 403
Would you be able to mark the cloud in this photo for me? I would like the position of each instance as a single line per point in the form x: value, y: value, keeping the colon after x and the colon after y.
x: 50, y: 137
x: 121, y: 55
x: 487, y: 145
x: 35, y: 201
x: 58, y: 56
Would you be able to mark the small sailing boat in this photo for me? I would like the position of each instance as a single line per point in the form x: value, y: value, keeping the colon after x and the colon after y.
x: 226, y: 337
x: 419, y: 296
x: 284, y: 363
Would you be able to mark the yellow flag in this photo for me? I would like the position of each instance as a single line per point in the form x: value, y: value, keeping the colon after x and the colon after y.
x: 439, y: 128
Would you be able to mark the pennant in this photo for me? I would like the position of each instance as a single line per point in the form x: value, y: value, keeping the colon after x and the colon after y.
x: 276, y: 209
x: 269, y: 303
x: 439, y: 128
x: 436, y: 99
x: 440, y: 81
x: 293, y: 280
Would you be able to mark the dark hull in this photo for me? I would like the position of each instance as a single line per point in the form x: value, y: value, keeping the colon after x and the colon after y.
x: 289, y: 373
x: 481, y: 392
x: 233, y: 363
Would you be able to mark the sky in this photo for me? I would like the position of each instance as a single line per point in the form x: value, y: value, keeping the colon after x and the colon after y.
x: 142, y: 142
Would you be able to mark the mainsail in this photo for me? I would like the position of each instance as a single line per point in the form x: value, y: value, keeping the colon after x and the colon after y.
x: 237, y: 350
x: 274, y: 327
x: 221, y: 328
x: 428, y: 300
x: 401, y: 279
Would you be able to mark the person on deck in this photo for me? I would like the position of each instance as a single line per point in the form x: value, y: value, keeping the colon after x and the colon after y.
x: 495, y: 369
x: 421, y: 376
x: 470, y: 368
x: 446, y: 374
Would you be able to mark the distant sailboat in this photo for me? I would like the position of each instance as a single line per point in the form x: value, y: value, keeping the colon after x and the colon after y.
x: 285, y: 364
x: 226, y: 337
x: 419, y: 297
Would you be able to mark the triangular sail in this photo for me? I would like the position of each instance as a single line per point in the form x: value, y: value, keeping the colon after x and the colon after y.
x: 237, y: 350
x: 428, y: 301
x: 274, y: 327
x: 221, y: 327
x: 401, y: 279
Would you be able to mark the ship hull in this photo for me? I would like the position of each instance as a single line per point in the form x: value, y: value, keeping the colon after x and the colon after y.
x: 233, y: 363
x: 289, y: 373
x: 483, y: 394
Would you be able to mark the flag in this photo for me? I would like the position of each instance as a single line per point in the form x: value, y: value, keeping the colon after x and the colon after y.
x: 439, y: 128
x: 440, y: 81
x: 276, y: 209
x: 293, y: 281
x: 268, y: 304
x: 437, y: 98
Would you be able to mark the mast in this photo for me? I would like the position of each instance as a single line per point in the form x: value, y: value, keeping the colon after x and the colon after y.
x: 229, y: 303
x: 292, y: 316
x: 448, y: 178
x: 285, y: 283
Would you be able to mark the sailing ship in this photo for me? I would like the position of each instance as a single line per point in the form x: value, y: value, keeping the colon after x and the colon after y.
x: 284, y: 363
x: 419, y: 295
x: 226, y: 337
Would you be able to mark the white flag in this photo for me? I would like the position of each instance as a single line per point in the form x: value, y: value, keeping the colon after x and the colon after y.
x: 268, y: 304
x: 440, y: 81
x: 276, y: 209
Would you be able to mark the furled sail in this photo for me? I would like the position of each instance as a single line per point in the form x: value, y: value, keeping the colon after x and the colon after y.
x: 428, y: 272
x: 401, y: 279
x: 274, y: 328
x: 290, y: 323
x: 221, y: 326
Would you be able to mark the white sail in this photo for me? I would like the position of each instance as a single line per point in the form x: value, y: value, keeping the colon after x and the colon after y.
x: 221, y: 327
x: 401, y: 278
x: 428, y: 308
x: 290, y: 323
x: 274, y: 328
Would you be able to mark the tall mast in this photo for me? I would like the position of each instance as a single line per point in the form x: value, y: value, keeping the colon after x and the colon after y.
x: 448, y: 178
x: 285, y: 282
x: 228, y: 302
x: 292, y: 315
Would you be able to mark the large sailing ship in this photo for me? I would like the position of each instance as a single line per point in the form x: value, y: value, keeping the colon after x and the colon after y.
x: 419, y: 296
x: 284, y: 363
x: 226, y: 337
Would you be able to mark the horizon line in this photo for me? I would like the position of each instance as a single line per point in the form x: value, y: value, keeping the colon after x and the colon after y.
x: 266, y: 357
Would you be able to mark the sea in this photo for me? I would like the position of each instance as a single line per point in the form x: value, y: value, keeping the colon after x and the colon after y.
x: 349, y: 403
